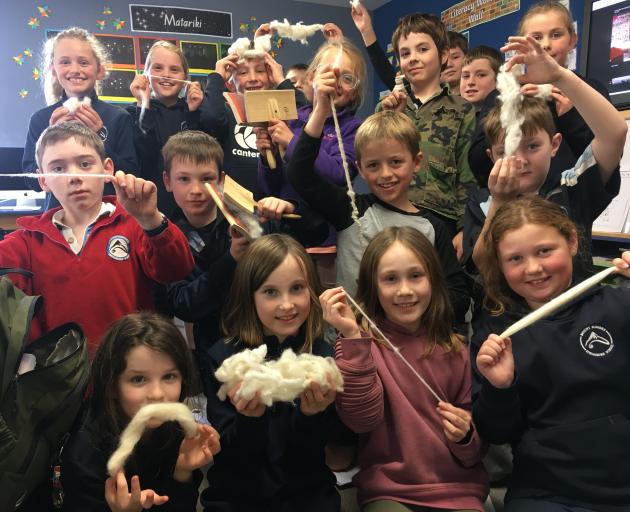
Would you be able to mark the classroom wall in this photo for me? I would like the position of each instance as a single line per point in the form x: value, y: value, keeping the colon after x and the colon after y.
x: 493, y: 33
x: 17, y: 38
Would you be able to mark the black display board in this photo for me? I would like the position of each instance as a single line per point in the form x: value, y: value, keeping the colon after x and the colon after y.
x: 116, y: 86
x: 201, y: 57
x: 120, y: 49
x: 144, y: 45
x: 176, y: 20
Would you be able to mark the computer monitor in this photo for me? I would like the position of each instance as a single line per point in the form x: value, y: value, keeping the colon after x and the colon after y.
x: 606, y: 47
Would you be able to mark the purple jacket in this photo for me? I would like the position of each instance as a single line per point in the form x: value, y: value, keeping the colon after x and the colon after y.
x: 273, y: 182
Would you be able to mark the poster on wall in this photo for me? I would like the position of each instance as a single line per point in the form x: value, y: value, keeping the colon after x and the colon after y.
x: 180, y: 20
x: 120, y: 49
x: 144, y: 44
x: 470, y: 13
x: 201, y: 57
x: 115, y: 86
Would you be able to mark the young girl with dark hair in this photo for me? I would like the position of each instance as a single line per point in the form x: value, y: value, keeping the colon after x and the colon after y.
x: 143, y: 359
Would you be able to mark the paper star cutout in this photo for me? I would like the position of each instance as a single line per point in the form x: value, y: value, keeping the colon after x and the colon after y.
x: 36, y: 74
x: 28, y: 52
x: 18, y: 59
x: 23, y: 93
x: 118, y: 24
x: 33, y: 23
x: 107, y: 10
x: 44, y: 11
x: 100, y: 24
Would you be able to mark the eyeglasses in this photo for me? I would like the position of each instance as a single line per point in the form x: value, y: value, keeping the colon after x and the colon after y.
x: 348, y: 80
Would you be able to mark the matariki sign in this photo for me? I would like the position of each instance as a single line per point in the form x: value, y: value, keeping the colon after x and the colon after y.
x: 180, y: 20
x: 469, y: 13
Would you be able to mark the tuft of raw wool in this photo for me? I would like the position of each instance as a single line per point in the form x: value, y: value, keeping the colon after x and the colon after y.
x: 297, y: 32
x: 355, y: 3
x: 171, y: 411
x: 73, y: 104
x: 511, y: 99
x: 282, y: 380
x: 544, y: 91
x: 247, y: 49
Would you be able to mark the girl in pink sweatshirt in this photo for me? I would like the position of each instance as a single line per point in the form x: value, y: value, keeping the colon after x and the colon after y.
x: 415, y: 452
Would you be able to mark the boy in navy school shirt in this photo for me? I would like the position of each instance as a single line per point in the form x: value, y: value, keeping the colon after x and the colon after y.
x: 192, y: 159
x: 597, y: 168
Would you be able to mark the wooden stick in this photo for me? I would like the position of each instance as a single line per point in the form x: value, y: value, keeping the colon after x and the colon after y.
x: 392, y: 346
x: 557, y: 303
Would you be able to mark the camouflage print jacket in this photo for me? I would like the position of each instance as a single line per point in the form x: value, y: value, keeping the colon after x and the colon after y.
x: 446, y: 124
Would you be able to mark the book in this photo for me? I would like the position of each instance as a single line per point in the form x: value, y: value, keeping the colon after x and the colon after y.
x: 243, y: 200
x: 236, y: 224
x: 256, y: 108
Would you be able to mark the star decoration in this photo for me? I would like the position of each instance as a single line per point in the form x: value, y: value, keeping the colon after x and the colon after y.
x: 18, y: 59
x: 118, y: 24
x: 44, y: 11
x: 23, y: 93
x: 33, y: 23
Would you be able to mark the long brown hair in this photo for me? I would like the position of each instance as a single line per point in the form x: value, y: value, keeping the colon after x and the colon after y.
x: 509, y: 217
x: 138, y: 329
x: 438, y: 319
x: 261, y: 258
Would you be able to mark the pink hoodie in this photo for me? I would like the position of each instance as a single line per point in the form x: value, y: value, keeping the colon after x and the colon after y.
x: 403, y: 452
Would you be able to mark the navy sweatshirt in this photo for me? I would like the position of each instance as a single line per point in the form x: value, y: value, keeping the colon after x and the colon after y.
x: 158, y: 124
x: 116, y: 134
x: 275, y: 462
x: 567, y: 414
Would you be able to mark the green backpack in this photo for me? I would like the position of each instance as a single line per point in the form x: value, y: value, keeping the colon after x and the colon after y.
x: 38, y: 405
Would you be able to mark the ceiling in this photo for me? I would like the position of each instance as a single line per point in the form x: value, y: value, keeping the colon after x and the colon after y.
x: 370, y: 4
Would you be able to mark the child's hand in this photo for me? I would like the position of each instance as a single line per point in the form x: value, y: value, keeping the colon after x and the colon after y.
x: 120, y: 499
x: 503, y: 179
x: 194, y: 96
x: 338, y: 313
x: 139, y: 198
x: 196, y: 452
x: 458, y: 245
x: 141, y: 90
x: 238, y: 244
x: 455, y: 421
x: 272, y: 208
x: 324, y: 88
x: 274, y: 70
x: 541, y: 68
x: 623, y: 264
x: 60, y: 115
x: 396, y: 100
x: 263, y: 141
x: 226, y: 66
x: 361, y: 18
x: 332, y: 32
x: 253, y: 408
x: 496, y: 362
x: 563, y: 103
x: 263, y: 30
x: 314, y: 399
x: 280, y: 133
x: 89, y: 117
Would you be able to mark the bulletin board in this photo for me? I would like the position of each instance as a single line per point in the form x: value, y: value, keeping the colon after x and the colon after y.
x: 115, y: 87
x: 121, y: 50
x: 143, y: 45
x: 201, y: 57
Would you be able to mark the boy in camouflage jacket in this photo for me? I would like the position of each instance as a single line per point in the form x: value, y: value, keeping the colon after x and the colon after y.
x: 445, y: 122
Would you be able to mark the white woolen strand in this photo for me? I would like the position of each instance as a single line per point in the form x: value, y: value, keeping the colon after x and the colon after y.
x: 282, y: 380
x: 557, y: 303
x: 72, y: 104
x: 346, y: 170
x: 54, y: 175
x: 355, y: 3
x: 393, y: 347
x: 172, y: 411
x: 297, y: 32
x: 511, y: 98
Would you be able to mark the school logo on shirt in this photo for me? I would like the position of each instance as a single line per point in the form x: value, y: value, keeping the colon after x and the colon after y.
x: 246, y: 140
x: 118, y: 248
x: 596, y: 340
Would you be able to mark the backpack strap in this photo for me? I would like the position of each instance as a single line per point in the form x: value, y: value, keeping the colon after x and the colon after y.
x: 14, y: 270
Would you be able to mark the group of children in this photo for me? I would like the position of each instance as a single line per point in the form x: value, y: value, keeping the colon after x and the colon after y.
x: 405, y: 253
